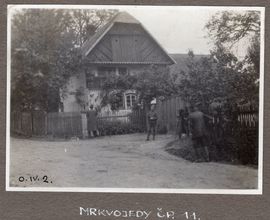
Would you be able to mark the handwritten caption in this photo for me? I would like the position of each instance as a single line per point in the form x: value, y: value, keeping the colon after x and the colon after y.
x: 34, y: 179
x: 159, y: 213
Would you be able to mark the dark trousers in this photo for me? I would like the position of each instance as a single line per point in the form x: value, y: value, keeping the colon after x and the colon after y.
x: 93, y: 133
x: 151, y: 129
x: 198, y: 142
x: 200, y: 148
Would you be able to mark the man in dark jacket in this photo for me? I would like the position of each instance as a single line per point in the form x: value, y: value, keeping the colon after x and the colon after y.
x: 199, y: 134
x: 152, y: 122
x: 91, y: 115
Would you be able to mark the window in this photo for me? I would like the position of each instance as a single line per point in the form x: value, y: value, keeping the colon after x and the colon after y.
x: 106, y: 71
x: 130, y: 100
x: 94, y: 81
x: 122, y: 71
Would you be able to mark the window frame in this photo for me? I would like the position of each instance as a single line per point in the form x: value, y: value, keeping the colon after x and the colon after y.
x: 132, y: 99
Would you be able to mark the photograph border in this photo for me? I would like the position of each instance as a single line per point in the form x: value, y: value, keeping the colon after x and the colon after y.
x: 258, y: 191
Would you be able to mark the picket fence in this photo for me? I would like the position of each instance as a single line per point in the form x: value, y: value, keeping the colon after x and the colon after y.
x: 67, y: 124
x: 39, y: 123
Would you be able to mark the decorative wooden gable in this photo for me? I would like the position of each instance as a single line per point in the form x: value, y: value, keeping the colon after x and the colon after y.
x: 125, y: 41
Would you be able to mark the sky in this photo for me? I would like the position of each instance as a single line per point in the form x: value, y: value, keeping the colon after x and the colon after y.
x: 178, y: 29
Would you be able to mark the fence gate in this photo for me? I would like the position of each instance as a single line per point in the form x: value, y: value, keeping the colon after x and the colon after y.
x: 138, y: 119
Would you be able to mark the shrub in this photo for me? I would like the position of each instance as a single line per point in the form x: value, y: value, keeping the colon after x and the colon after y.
x: 107, y: 127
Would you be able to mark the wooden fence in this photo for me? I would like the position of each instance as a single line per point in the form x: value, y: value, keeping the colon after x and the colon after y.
x: 114, y: 116
x: 39, y: 123
x: 233, y: 131
x: 167, y: 112
x: 248, y: 118
x: 68, y: 124
x: 21, y: 123
x: 138, y: 118
x: 73, y: 124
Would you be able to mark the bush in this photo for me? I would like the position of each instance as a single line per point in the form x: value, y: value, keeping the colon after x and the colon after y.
x: 118, y: 128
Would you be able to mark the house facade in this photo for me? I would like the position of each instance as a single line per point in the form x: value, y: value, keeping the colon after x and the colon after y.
x: 122, y: 46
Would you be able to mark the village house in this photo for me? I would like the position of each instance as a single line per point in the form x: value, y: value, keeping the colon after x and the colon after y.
x: 122, y: 46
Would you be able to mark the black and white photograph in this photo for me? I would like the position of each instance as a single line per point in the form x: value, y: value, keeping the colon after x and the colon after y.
x: 143, y: 99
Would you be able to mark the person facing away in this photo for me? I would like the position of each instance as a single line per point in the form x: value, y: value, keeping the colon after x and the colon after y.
x: 198, y: 131
x: 91, y: 115
x: 152, y: 122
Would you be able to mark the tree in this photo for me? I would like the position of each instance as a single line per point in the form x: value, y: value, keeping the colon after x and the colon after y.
x: 217, y: 76
x: 42, y: 57
x: 205, y: 79
x: 85, y: 22
x: 228, y: 28
x: 152, y: 82
x: 45, y: 54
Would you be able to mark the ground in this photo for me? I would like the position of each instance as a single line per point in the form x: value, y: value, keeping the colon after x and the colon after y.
x: 122, y: 161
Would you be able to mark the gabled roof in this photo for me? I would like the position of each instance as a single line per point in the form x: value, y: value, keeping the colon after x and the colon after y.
x: 124, y: 17
x: 121, y: 17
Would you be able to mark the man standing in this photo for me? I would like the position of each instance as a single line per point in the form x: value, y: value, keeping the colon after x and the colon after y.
x: 198, y: 131
x: 92, y: 122
x: 182, y: 123
x: 152, y: 122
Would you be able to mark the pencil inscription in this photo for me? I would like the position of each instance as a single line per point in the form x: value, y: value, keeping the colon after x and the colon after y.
x: 36, y: 178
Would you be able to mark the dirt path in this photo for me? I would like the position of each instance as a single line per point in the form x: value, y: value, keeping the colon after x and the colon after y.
x: 119, y: 161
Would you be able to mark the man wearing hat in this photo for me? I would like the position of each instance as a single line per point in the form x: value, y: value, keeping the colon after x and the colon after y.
x: 152, y: 122
x: 199, y: 134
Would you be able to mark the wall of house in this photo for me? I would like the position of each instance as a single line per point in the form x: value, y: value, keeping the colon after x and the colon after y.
x: 87, y: 97
x: 93, y: 96
x: 69, y: 101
